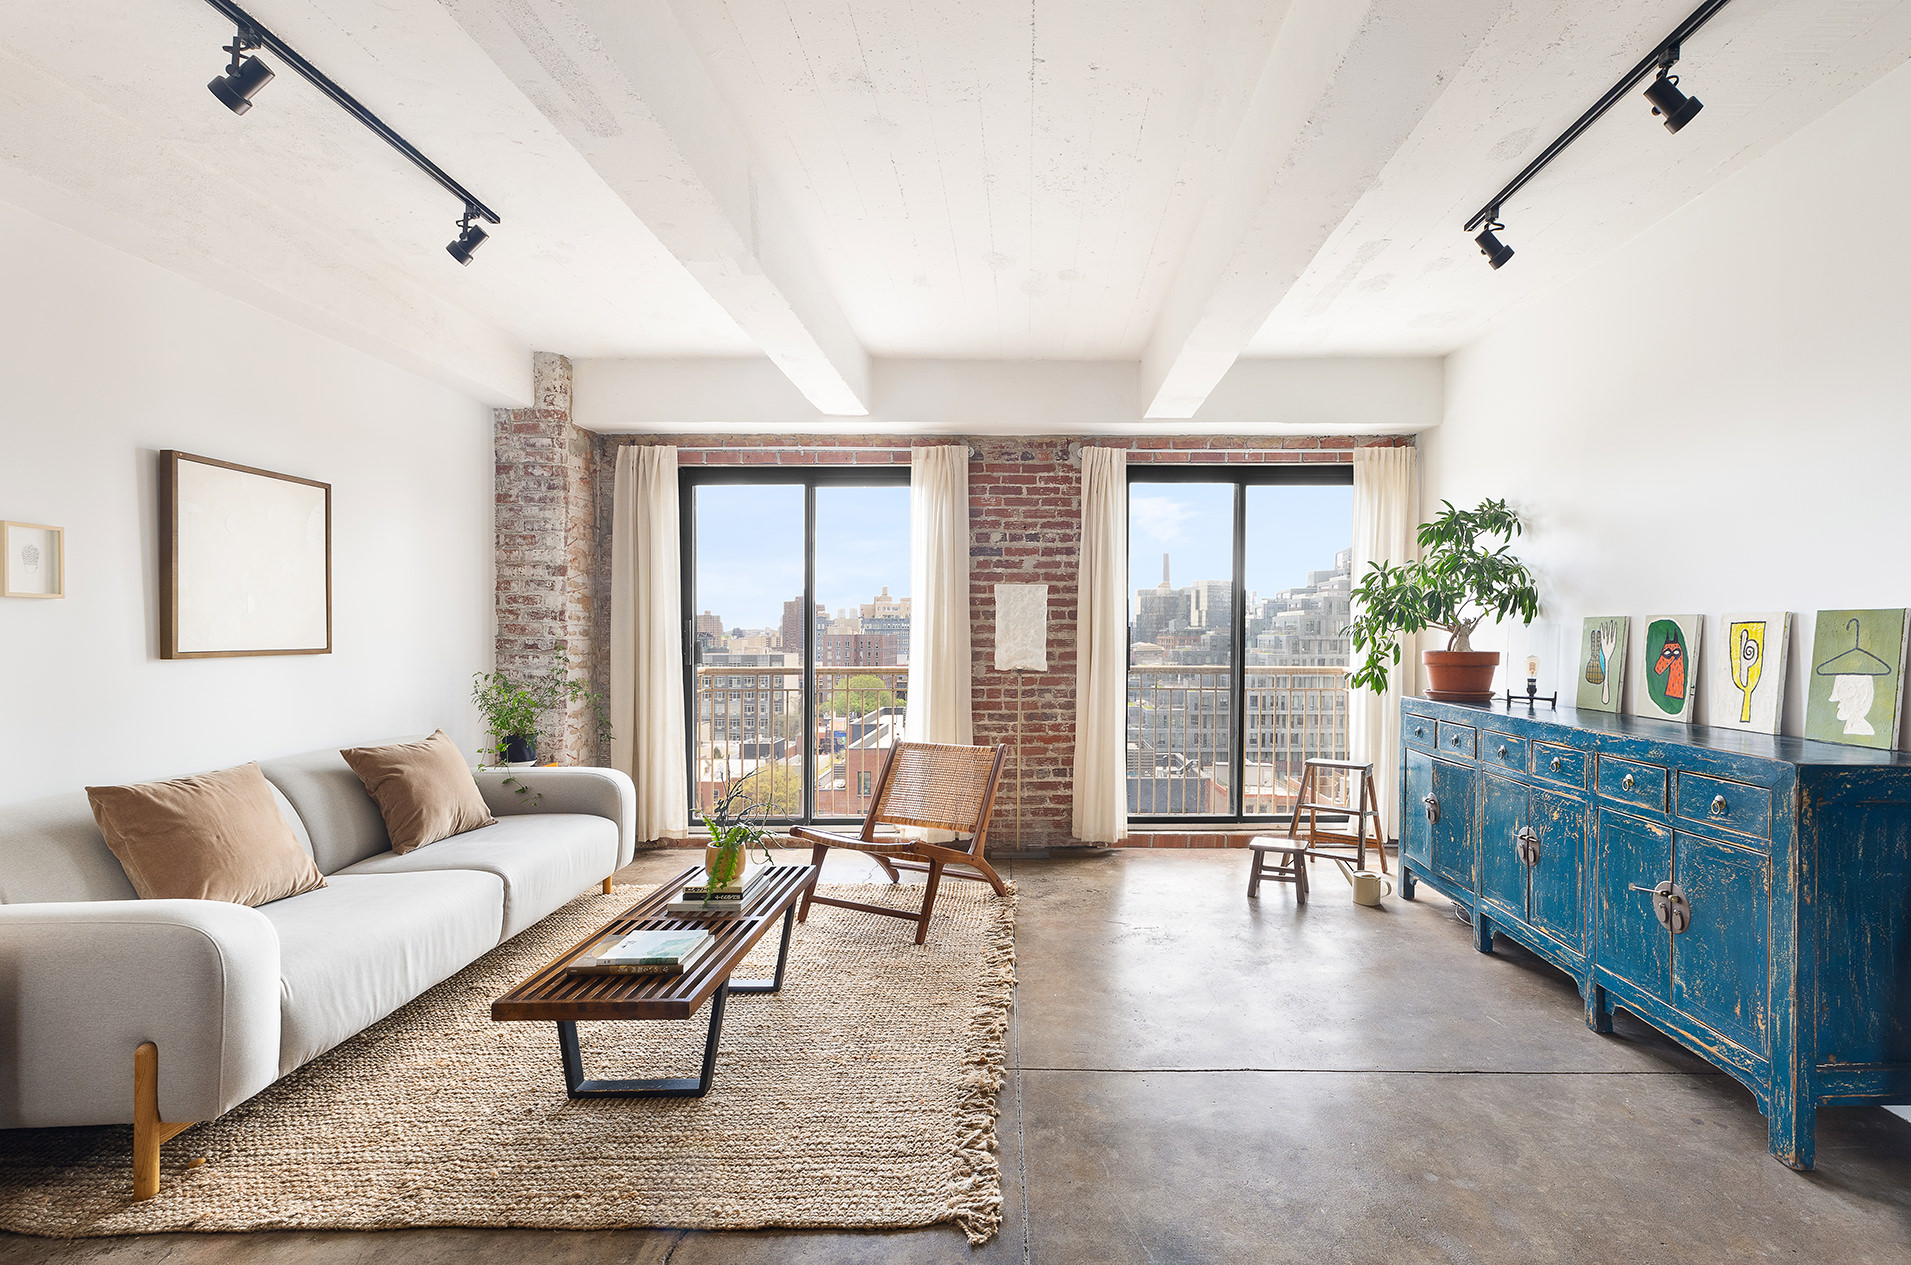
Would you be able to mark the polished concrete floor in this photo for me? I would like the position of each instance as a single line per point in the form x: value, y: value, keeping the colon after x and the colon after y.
x: 1202, y: 1078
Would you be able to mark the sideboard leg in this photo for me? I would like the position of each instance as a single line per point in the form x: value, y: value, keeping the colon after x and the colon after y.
x: 1793, y: 1125
x: 1482, y: 932
x: 1407, y: 883
x: 1598, y: 1009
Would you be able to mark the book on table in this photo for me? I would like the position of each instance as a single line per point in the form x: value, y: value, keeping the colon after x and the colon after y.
x: 643, y: 953
x: 736, y: 889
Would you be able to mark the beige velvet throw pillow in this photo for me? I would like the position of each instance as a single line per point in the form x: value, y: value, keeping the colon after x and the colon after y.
x: 217, y: 836
x: 424, y: 789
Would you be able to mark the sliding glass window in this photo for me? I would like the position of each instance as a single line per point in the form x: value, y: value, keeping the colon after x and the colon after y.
x: 1237, y: 658
x: 796, y: 635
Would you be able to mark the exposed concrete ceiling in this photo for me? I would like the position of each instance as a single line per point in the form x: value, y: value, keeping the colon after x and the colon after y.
x: 818, y: 181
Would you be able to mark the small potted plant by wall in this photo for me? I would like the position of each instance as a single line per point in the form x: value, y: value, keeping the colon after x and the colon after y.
x: 1458, y: 581
x: 512, y: 710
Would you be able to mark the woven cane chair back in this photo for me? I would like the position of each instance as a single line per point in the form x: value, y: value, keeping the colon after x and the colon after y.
x: 934, y: 785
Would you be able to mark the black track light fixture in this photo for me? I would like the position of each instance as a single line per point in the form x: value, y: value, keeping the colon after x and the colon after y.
x: 244, y: 75
x: 1496, y: 251
x: 470, y: 237
x: 1673, y: 106
x: 1670, y: 104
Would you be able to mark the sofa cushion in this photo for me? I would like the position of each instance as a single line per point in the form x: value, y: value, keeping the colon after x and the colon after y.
x: 342, y: 820
x: 213, y: 836
x: 543, y: 859
x: 424, y: 790
x: 361, y: 947
x: 52, y: 850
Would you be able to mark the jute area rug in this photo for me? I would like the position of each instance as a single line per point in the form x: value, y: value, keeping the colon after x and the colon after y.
x: 862, y: 1095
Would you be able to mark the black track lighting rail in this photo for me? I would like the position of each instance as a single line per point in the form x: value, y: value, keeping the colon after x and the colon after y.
x: 254, y: 35
x: 1660, y: 57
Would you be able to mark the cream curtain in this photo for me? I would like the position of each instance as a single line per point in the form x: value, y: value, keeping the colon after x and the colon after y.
x: 1101, y: 654
x: 939, y: 707
x: 1386, y: 518
x: 646, y: 639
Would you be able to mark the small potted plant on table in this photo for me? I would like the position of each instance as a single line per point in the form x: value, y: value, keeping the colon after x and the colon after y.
x: 1457, y: 582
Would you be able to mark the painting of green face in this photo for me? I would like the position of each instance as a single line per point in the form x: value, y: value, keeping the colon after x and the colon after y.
x: 1672, y: 664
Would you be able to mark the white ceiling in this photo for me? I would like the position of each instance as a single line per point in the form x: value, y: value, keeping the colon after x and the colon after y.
x: 819, y: 181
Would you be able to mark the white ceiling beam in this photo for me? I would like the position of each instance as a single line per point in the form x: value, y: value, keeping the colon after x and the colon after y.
x: 623, y: 84
x: 1345, y: 86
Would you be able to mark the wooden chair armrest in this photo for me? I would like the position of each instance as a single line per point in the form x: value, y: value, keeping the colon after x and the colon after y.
x: 825, y: 836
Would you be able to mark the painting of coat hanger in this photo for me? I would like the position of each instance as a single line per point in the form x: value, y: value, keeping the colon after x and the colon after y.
x: 1852, y: 692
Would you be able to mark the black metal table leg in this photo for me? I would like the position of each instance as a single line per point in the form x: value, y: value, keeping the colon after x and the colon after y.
x: 782, y: 955
x: 577, y: 1086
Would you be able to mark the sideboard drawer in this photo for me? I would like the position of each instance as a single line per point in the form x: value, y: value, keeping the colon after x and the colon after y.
x: 1630, y: 782
x: 1418, y: 731
x: 1559, y: 764
x: 1505, y: 750
x: 1727, y: 805
x: 1459, y: 739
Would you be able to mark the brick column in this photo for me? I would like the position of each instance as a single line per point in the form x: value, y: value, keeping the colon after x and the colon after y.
x: 545, y: 543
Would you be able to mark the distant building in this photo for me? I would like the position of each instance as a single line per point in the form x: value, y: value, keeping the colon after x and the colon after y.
x: 855, y: 650
x: 792, y: 626
x: 710, y: 635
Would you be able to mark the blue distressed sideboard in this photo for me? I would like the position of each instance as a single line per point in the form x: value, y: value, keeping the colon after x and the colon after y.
x: 1747, y: 895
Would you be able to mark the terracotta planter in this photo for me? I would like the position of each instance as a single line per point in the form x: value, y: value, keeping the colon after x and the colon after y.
x: 713, y: 857
x: 1460, y: 676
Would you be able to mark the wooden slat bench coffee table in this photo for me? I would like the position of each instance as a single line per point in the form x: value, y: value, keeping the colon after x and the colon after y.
x: 556, y: 995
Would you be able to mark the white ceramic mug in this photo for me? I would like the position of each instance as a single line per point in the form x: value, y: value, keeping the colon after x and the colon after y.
x: 1368, y: 885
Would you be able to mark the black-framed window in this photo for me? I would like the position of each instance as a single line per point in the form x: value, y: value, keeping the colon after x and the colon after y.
x: 796, y: 634
x: 1237, y: 659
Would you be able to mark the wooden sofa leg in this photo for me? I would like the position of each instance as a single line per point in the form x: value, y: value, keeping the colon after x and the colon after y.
x: 148, y: 1129
x: 607, y: 885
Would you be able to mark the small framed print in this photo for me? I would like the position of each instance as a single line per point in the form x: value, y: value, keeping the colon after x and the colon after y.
x: 32, y: 560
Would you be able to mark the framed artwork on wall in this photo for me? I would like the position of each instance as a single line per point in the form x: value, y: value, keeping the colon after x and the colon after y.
x: 1601, y: 666
x: 245, y: 560
x: 32, y: 560
x: 1857, y: 663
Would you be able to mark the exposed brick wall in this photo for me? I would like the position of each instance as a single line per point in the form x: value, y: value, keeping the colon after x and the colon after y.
x: 1024, y: 528
x: 546, y: 543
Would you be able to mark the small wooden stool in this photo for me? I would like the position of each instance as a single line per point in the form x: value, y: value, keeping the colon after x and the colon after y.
x: 1365, y: 807
x: 1288, y: 866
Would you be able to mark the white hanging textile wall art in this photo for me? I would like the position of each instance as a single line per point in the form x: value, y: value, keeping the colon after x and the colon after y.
x: 1021, y: 627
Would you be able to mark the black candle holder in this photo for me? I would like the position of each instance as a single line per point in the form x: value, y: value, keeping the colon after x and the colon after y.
x: 1532, y: 699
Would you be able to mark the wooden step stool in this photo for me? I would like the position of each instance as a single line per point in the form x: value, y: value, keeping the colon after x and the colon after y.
x: 1364, y: 808
x: 1288, y: 866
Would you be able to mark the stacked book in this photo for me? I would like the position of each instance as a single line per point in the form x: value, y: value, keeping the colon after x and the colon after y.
x: 701, y: 896
x: 644, y: 953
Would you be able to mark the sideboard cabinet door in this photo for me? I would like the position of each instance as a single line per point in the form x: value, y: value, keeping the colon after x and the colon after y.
x: 1627, y: 938
x: 1558, y: 875
x: 1416, y: 832
x: 1452, y: 835
x: 1502, y: 817
x: 1719, y: 961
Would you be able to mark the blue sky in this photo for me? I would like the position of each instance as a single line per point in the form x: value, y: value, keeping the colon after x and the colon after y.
x: 750, y: 541
x: 1291, y: 530
x: 750, y: 549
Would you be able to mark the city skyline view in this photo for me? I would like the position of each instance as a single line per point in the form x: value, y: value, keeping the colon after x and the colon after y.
x: 749, y: 549
x: 1292, y: 530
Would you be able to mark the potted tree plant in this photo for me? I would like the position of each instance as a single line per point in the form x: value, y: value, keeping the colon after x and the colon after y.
x: 1458, y: 581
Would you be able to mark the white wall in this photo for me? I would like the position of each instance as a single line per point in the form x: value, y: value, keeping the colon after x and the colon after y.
x: 106, y: 359
x: 1718, y: 417
x: 1315, y: 396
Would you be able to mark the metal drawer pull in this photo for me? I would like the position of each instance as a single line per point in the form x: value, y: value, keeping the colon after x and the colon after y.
x: 1669, y: 905
x: 1718, y: 806
x: 1418, y: 732
x: 1555, y: 764
x: 1626, y: 781
x: 1526, y: 846
x: 1456, y: 740
x: 1502, y: 751
x: 1433, y: 809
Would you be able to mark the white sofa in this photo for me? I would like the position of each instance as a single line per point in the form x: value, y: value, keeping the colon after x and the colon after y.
x: 234, y: 997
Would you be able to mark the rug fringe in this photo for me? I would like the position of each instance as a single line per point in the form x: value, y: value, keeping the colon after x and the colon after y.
x: 975, y: 1202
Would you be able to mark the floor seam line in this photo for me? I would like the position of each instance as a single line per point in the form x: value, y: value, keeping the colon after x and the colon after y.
x: 1370, y: 1071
